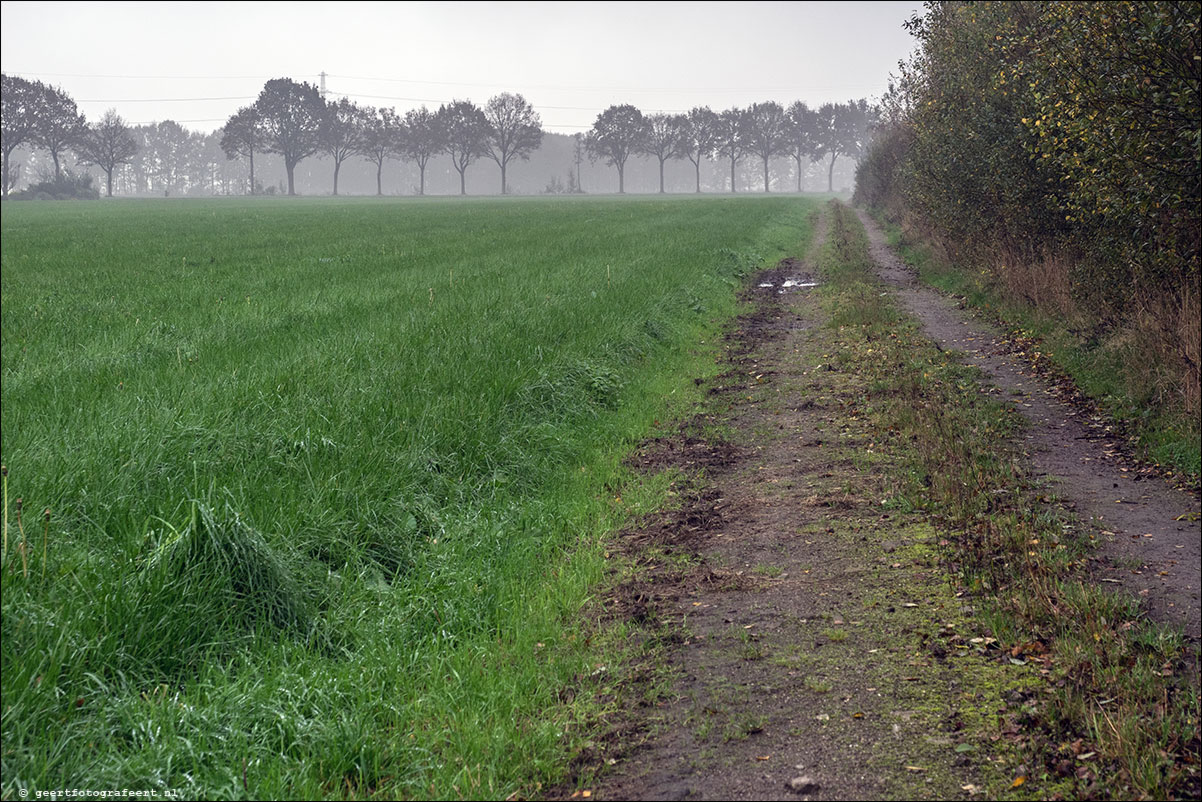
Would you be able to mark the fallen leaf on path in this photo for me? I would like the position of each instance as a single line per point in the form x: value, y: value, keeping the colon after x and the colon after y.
x: 915, y: 769
x: 1018, y: 781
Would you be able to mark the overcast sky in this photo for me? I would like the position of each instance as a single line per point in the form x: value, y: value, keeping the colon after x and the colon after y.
x: 196, y: 63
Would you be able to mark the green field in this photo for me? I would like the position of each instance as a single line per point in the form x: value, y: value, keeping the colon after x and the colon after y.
x: 329, y: 479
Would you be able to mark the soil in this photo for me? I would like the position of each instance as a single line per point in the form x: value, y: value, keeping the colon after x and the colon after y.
x: 815, y: 647
x: 801, y: 640
x: 1150, y: 536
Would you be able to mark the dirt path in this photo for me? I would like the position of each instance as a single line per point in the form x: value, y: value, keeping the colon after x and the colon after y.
x: 1144, y: 549
x: 816, y: 647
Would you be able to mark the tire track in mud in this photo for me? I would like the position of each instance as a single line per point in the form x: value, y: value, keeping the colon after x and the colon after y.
x: 815, y: 647
x: 1143, y: 548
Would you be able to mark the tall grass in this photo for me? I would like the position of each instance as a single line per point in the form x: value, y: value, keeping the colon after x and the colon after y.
x: 327, y: 477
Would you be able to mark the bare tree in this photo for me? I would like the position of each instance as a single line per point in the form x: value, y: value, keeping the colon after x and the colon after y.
x: 515, y: 129
x: 58, y: 125
x: 421, y: 139
x: 842, y: 131
x: 107, y: 144
x: 168, y: 154
x: 242, y: 136
x: 731, y: 136
x: 18, y: 124
x: 662, y: 140
x: 699, y: 137
x: 464, y: 130
x: 618, y: 132
x: 802, y: 130
x: 290, y: 117
x: 578, y: 157
x: 342, y: 132
x: 767, y: 127
x: 380, y: 140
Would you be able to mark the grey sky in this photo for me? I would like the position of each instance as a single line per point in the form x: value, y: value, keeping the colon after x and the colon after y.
x: 155, y: 61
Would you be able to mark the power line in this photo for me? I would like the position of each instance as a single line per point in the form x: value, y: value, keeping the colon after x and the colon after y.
x: 432, y: 100
x: 25, y: 73
x: 494, y: 84
x: 160, y: 99
x: 711, y: 90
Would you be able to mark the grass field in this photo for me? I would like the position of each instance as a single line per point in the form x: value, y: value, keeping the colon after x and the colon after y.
x: 327, y: 479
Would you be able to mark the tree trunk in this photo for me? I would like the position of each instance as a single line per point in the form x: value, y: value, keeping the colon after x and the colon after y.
x: 463, y: 181
x: 109, y: 173
x: 766, y: 190
x: 337, y: 167
x: 621, y: 179
x: 58, y: 172
x: 421, y: 169
x: 252, y: 171
x: 7, y: 174
x: 697, y: 168
x: 661, y: 176
x: 379, y: 178
x: 830, y: 173
x: 290, y: 167
x: 504, y: 189
x: 798, y: 160
x: 732, y: 175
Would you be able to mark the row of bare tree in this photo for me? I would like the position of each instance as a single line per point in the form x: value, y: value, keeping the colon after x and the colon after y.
x: 764, y: 130
x: 293, y: 121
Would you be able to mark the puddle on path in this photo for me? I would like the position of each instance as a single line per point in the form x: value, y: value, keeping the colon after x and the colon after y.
x: 788, y: 284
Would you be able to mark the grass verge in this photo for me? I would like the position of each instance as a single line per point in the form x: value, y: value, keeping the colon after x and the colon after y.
x: 1119, y: 713
x: 1108, y: 369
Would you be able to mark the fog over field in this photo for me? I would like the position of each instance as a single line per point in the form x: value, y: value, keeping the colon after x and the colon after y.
x: 176, y: 73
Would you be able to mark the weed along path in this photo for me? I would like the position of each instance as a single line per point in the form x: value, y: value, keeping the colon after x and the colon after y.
x: 1150, y: 543
x: 800, y: 638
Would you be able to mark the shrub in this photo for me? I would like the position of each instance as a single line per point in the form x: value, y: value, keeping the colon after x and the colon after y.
x: 67, y: 186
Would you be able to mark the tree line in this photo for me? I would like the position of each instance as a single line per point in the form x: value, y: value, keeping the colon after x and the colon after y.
x: 1055, y: 146
x: 291, y: 121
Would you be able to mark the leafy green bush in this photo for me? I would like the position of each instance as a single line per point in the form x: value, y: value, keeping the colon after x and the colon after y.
x: 1052, y: 148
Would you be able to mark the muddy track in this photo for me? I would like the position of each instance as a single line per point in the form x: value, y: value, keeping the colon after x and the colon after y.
x: 808, y: 632
x: 1149, y: 547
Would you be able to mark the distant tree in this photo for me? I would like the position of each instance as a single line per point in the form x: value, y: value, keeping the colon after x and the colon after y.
x: 514, y: 129
x: 842, y: 131
x: 699, y: 137
x: 617, y: 133
x: 290, y: 116
x: 731, y: 136
x: 422, y: 138
x: 578, y: 153
x: 168, y: 153
x: 381, y: 140
x: 107, y: 144
x: 802, y: 130
x: 464, y: 131
x: 766, y: 133
x: 19, y: 98
x: 341, y: 134
x: 662, y: 140
x: 242, y: 136
x: 58, y: 124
